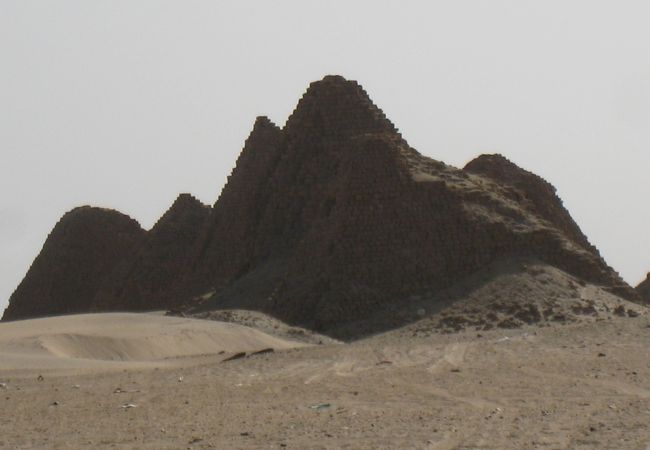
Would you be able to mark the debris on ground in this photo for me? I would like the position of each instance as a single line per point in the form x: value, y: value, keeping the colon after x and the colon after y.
x: 122, y: 391
x: 263, y: 351
x: 235, y: 356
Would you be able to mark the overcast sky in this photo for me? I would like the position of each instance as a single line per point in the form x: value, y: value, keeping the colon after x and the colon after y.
x: 125, y: 104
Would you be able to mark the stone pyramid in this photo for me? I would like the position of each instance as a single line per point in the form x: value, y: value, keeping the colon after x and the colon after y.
x: 324, y: 221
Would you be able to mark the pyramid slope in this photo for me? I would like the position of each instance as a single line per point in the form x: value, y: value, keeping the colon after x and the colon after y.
x: 84, y: 247
x: 531, y: 191
x: 142, y: 281
x: 225, y: 245
x: 643, y: 289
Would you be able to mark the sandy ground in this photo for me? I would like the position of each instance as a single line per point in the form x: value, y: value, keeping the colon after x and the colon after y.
x: 578, y: 386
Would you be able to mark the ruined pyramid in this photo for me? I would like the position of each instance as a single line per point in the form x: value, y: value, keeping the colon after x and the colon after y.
x: 322, y: 222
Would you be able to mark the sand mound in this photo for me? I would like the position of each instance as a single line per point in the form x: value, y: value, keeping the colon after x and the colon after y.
x: 93, y: 339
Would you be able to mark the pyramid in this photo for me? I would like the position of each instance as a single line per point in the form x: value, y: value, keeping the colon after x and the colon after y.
x: 334, y: 216
x: 341, y: 216
x: 141, y: 281
x: 85, y: 245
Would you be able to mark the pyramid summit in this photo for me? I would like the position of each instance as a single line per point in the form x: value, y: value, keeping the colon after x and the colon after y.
x: 335, y: 106
x: 334, y: 217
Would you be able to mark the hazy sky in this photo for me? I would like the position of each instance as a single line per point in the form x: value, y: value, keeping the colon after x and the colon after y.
x: 124, y: 104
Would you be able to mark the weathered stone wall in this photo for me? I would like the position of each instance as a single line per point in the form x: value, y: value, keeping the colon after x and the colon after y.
x: 532, y: 192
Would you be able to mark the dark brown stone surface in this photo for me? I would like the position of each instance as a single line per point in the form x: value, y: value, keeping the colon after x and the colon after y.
x: 227, y: 242
x: 142, y: 281
x: 531, y: 192
x: 84, y: 247
x: 101, y: 260
x: 644, y: 289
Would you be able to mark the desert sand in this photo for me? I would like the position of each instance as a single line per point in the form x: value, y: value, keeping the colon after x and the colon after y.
x: 146, y: 381
x: 121, y: 341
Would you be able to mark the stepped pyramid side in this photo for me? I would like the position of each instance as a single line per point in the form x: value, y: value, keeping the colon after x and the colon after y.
x: 81, y: 251
x: 225, y: 247
x: 336, y: 108
x: 279, y: 186
x: 142, y: 282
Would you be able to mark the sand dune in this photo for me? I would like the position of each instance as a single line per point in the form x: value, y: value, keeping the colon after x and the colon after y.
x: 101, y: 340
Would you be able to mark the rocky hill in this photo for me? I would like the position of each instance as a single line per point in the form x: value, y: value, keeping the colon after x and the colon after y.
x: 334, y: 216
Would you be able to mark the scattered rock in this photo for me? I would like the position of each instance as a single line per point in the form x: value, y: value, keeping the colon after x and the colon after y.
x: 509, y: 323
x: 263, y: 351
x: 235, y: 356
x: 122, y: 391
x: 620, y: 311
